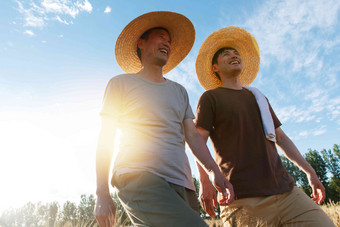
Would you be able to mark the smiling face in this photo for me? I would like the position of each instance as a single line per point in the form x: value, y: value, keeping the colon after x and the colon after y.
x: 156, y: 48
x: 227, y: 61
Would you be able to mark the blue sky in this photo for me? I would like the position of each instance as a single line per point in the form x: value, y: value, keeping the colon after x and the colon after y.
x: 56, y: 57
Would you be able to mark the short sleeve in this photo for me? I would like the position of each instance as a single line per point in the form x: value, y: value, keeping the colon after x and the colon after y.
x: 188, y: 111
x: 276, y: 121
x: 111, y: 105
x: 205, y: 112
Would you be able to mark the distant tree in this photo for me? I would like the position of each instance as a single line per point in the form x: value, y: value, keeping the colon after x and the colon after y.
x: 319, y: 165
x: 85, y: 210
x: 42, y: 213
x: 29, y: 215
x: 8, y: 218
x: 53, y: 209
x: 69, y: 213
x: 332, y: 161
x: 292, y: 169
x: 333, y: 192
x: 334, y: 183
x: 336, y: 150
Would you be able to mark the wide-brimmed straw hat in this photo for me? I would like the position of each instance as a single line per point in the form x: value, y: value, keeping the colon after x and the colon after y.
x: 181, y: 31
x: 234, y: 37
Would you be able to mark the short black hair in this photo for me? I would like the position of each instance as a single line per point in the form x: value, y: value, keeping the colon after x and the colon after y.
x: 214, y: 60
x: 145, y: 36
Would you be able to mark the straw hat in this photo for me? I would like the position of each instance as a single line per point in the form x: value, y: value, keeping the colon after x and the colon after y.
x: 182, y: 34
x: 234, y: 37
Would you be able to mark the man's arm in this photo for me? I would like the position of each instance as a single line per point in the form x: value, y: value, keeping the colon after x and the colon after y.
x: 292, y: 153
x: 207, y: 194
x: 105, y: 208
x: 203, y: 157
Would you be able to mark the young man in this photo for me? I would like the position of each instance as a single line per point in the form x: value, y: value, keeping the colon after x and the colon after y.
x: 151, y: 172
x: 244, y: 131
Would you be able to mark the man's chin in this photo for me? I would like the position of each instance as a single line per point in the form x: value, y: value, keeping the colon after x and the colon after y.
x: 161, y: 62
x: 237, y: 70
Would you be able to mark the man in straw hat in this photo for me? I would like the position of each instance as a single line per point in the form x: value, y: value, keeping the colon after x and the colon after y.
x: 151, y: 172
x: 244, y: 131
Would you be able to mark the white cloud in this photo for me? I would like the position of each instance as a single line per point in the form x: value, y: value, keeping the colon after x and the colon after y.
x: 333, y: 108
x: 61, y: 36
x: 303, y: 134
x: 312, y: 132
x: 284, y: 30
x: 107, y: 9
x: 29, y: 32
x: 331, y: 79
x: 294, y: 114
x: 62, y: 21
x: 316, y: 105
x: 86, y: 6
x: 320, y: 131
x: 37, y: 14
x: 66, y: 7
x: 185, y: 75
x: 31, y: 20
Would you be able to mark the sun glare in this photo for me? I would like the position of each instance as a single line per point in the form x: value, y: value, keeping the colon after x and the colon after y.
x: 44, y: 160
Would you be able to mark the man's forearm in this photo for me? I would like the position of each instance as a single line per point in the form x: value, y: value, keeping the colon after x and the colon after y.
x: 292, y: 153
x: 103, y: 164
x: 104, y: 155
x: 203, y: 176
x: 201, y: 152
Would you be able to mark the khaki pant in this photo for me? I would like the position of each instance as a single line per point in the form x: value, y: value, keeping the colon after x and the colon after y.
x: 292, y: 209
x: 149, y: 200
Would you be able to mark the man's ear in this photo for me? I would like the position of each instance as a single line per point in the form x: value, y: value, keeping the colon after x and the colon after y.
x: 214, y: 68
x: 140, y: 43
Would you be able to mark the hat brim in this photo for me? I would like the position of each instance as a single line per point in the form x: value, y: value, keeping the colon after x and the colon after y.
x: 182, y: 34
x: 234, y: 37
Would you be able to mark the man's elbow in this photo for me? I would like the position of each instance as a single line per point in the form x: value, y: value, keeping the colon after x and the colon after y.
x: 280, y: 136
x: 279, y: 140
x: 191, y: 135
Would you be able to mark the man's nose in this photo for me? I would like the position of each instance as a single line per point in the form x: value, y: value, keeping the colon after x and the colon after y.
x: 167, y: 44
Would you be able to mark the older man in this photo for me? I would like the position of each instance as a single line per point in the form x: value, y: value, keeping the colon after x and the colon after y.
x: 151, y: 172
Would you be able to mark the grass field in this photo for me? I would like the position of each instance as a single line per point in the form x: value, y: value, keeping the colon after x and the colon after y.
x: 21, y: 217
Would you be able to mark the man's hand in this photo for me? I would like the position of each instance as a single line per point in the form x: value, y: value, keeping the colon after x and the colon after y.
x: 208, y: 198
x: 292, y: 153
x: 319, y: 192
x: 223, y: 186
x: 105, y: 211
x: 197, y: 143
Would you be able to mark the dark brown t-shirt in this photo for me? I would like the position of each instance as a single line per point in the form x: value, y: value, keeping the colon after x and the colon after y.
x: 248, y: 160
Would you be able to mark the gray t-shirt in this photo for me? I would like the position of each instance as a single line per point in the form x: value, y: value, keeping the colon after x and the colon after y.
x: 150, y: 119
